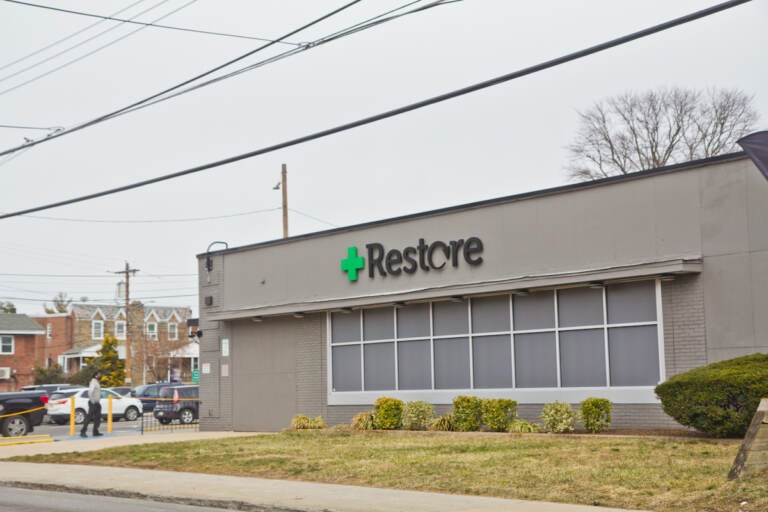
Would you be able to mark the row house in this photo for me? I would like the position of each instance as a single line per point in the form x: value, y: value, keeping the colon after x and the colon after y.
x: 156, y: 335
x: 17, y: 350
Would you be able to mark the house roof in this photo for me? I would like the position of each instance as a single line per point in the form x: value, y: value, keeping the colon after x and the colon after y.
x: 112, y: 312
x: 15, y: 323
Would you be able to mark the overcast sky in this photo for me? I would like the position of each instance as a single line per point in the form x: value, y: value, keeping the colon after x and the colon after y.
x: 505, y: 140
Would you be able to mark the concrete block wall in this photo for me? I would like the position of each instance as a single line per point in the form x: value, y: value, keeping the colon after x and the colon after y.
x: 311, y: 383
x: 685, y: 336
x: 215, y: 391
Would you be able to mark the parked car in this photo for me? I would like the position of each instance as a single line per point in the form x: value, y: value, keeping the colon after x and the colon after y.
x: 49, y: 388
x: 148, y: 393
x: 123, y: 407
x: 178, y: 403
x: 122, y: 390
x: 56, y: 396
x: 21, y: 412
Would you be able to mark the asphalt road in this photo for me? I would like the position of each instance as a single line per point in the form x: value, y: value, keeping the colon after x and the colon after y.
x: 13, y: 499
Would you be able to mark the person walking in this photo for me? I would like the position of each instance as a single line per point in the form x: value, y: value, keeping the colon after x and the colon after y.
x: 94, y: 406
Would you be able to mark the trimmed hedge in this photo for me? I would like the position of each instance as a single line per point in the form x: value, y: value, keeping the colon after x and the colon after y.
x: 558, y: 417
x: 418, y: 415
x: 387, y: 413
x: 596, y: 414
x: 719, y: 399
x: 497, y: 413
x: 467, y: 413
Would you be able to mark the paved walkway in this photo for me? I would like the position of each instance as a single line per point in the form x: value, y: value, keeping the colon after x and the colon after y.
x: 246, y: 493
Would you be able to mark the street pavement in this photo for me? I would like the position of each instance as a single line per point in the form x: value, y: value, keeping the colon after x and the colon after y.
x: 239, y: 493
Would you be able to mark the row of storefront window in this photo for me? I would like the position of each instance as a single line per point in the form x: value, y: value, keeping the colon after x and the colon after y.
x: 598, y: 336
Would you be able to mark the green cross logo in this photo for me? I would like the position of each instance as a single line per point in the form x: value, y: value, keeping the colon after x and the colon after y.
x: 352, y: 264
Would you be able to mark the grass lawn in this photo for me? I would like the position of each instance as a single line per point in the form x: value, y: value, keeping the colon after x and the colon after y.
x: 661, y: 474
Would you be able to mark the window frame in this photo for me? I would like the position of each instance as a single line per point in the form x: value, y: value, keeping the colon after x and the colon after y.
x: 617, y: 394
x: 94, y: 323
x: 173, y: 336
x: 118, y: 335
x: 3, y: 340
x: 151, y: 333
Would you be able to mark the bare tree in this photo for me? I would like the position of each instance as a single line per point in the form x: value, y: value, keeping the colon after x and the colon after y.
x: 633, y: 132
x: 60, y: 304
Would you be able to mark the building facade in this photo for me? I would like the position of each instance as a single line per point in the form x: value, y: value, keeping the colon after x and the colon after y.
x: 600, y: 289
x: 18, y: 352
x: 158, y: 337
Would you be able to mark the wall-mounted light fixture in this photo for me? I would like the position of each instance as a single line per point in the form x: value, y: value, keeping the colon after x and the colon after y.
x: 256, y: 319
x: 346, y: 311
x: 209, y: 260
x: 522, y: 292
x: 399, y: 304
x: 596, y: 285
x: 298, y: 314
x: 457, y: 298
x: 667, y: 277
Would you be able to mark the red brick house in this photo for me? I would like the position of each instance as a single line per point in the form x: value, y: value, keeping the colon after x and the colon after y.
x: 17, y: 350
x: 57, y: 338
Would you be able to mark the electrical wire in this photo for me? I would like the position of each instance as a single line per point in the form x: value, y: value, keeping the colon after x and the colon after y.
x: 88, y: 276
x: 20, y: 127
x: 86, y: 55
x: 358, y: 27
x: 28, y: 299
x: 70, y: 36
x: 75, y: 46
x: 398, y: 111
x: 155, y: 25
x: 186, y: 82
x: 151, y: 221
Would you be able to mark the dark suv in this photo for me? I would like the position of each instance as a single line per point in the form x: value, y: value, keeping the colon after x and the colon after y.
x: 178, y: 403
x: 148, y: 393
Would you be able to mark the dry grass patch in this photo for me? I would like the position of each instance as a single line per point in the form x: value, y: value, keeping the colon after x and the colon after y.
x: 670, y: 474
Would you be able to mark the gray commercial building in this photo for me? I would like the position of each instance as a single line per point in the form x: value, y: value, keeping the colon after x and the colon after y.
x: 597, y: 289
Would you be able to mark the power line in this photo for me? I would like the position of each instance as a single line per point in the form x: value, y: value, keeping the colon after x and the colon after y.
x: 70, y: 36
x: 86, y: 55
x: 155, y: 25
x: 150, y: 221
x: 358, y: 27
x: 398, y: 111
x: 111, y: 299
x: 186, y: 82
x: 21, y: 127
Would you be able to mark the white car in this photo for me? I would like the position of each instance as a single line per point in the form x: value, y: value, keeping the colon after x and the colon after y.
x: 59, y: 407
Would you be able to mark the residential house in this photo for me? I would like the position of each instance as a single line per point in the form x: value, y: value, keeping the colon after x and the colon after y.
x: 17, y: 350
x: 57, y: 338
x: 155, y: 334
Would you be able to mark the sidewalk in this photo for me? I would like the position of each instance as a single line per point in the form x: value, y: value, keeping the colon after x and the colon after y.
x: 246, y: 493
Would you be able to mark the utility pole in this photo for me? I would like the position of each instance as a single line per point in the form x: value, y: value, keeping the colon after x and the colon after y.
x: 127, y: 272
x: 285, y: 201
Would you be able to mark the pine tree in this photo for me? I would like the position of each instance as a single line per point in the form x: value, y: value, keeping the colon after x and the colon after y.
x: 111, y: 366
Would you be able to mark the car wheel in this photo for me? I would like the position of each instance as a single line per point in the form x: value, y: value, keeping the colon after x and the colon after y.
x: 131, y: 414
x: 164, y: 421
x: 14, y: 426
x: 186, y: 416
x: 79, y: 416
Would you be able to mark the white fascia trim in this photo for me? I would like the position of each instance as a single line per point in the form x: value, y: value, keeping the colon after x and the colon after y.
x: 617, y: 395
x: 13, y: 333
x: 100, y: 312
x: 151, y: 314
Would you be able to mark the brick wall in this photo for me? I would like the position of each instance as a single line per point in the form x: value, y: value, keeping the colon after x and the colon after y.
x: 61, y: 339
x: 21, y: 362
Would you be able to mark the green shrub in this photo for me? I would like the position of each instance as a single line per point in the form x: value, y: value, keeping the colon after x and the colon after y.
x: 596, y: 414
x: 467, y: 413
x: 521, y: 426
x: 443, y: 424
x: 363, y: 421
x: 418, y: 415
x: 719, y: 399
x: 301, y: 422
x: 558, y: 417
x: 497, y: 413
x: 387, y: 413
